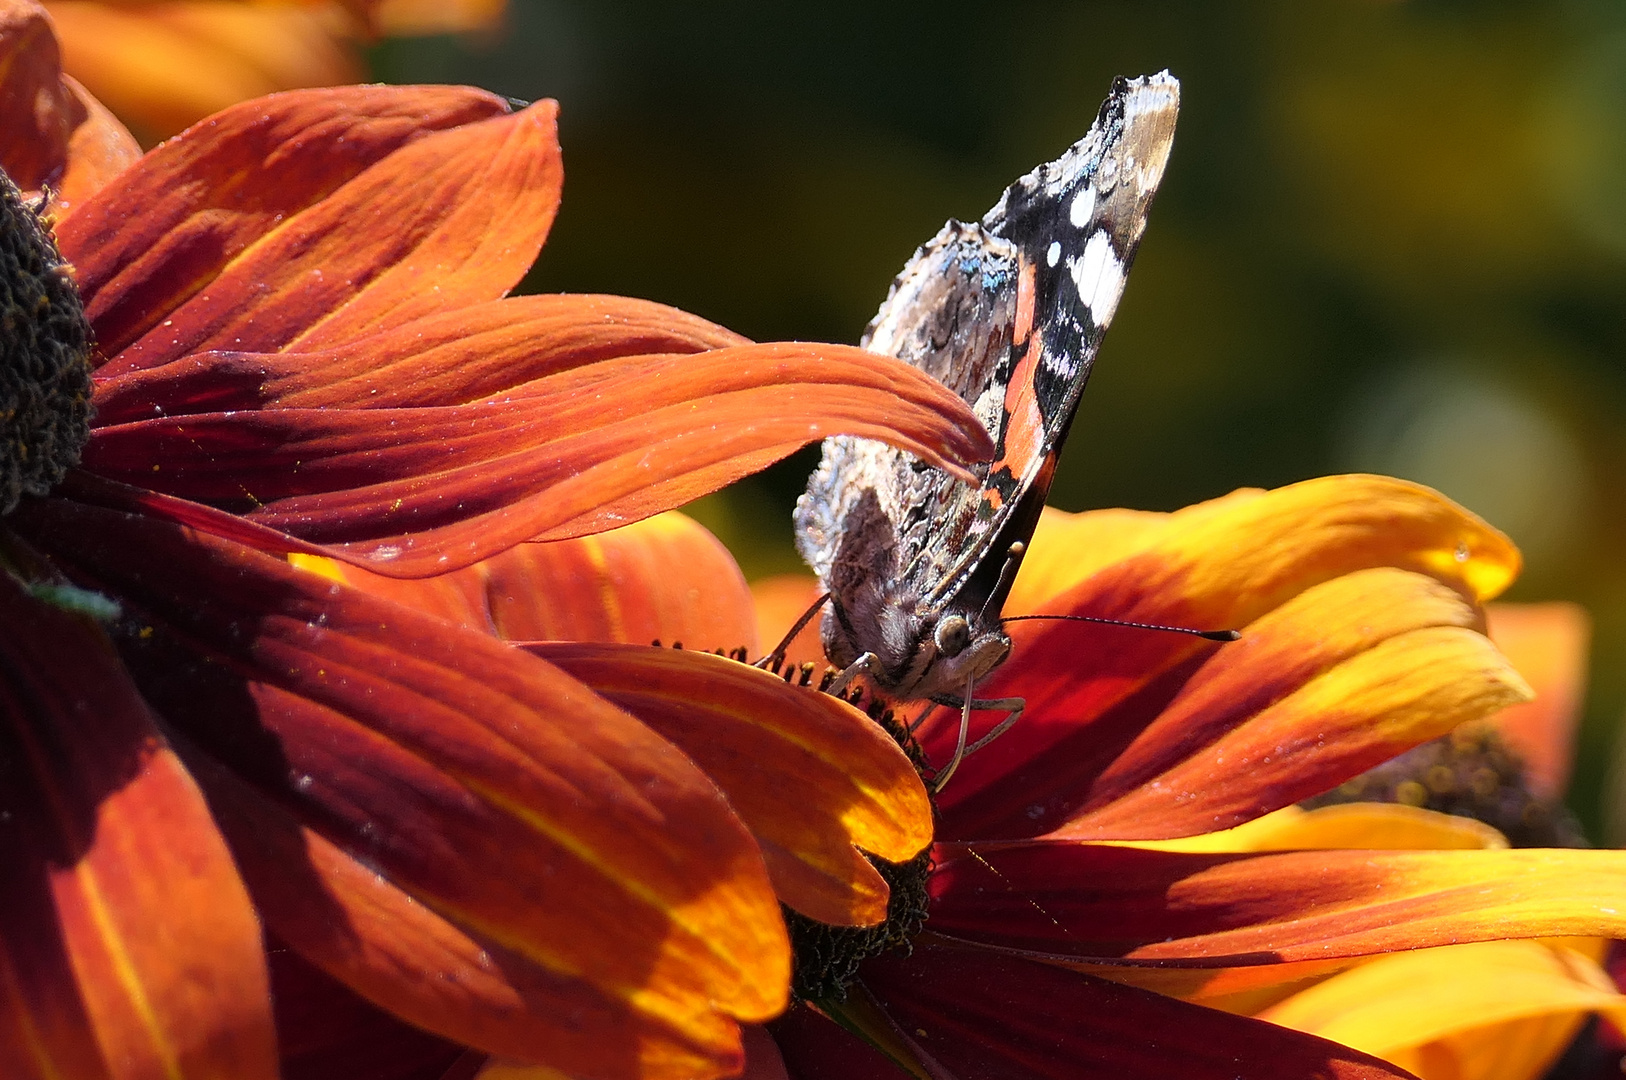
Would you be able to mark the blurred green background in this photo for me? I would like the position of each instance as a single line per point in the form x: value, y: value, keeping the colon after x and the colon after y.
x: 1392, y: 236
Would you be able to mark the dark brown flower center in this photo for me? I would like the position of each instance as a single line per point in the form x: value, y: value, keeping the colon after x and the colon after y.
x: 825, y: 958
x: 45, y: 345
x: 1473, y: 773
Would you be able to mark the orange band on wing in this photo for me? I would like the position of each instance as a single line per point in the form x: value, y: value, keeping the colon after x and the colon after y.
x: 1023, y: 440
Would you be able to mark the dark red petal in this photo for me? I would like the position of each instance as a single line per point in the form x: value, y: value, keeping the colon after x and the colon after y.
x: 414, y: 492
x: 506, y: 798
x: 232, y: 191
x: 326, y: 1032
x: 452, y: 358
x: 106, y: 966
x: 1164, y: 908
x: 973, y: 1013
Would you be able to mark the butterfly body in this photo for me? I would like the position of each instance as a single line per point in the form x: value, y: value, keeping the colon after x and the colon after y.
x: 1008, y: 312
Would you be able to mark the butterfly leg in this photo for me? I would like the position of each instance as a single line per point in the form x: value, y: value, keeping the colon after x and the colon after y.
x: 1012, y: 707
x: 867, y: 664
x: 777, y: 657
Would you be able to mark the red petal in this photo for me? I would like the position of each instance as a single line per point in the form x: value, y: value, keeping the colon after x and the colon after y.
x: 422, y: 491
x: 663, y: 579
x: 1087, y: 901
x: 453, y: 358
x: 969, y: 1013
x: 106, y: 967
x: 326, y: 1032
x: 246, y: 228
x: 503, y: 795
x: 759, y: 739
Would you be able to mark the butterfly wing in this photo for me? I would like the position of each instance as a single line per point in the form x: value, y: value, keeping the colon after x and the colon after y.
x: 1009, y: 313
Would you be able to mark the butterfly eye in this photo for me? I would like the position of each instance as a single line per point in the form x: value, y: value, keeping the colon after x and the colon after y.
x: 952, y: 636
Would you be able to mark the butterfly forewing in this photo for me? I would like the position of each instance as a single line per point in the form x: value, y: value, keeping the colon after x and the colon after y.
x: 1009, y: 313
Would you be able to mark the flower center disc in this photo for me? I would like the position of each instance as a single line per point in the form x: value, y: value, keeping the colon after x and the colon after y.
x: 44, y: 356
x: 827, y: 957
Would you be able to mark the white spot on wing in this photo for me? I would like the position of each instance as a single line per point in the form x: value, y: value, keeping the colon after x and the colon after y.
x: 1099, y: 277
x: 1083, y: 208
x: 1052, y: 254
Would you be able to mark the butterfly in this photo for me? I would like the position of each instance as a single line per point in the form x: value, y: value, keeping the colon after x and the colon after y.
x: 1009, y: 313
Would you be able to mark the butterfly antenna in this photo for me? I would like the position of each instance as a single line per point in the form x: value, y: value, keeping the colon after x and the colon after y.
x: 1206, y: 635
x: 940, y: 781
x: 777, y: 657
x: 1002, y: 588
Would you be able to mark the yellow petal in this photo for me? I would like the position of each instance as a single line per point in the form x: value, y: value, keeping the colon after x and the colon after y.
x: 1352, y: 825
x: 1402, y: 1006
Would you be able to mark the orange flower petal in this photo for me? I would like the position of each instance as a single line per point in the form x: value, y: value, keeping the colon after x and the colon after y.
x: 1547, y: 643
x: 408, y: 17
x: 39, y: 107
x: 106, y: 968
x: 404, y: 956
x: 1170, y: 909
x: 456, y: 358
x: 495, y: 790
x: 1349, y: 825
x: 227, y: 198
x: 1396, y: 1006
x: 1344, y: 676
x: 1221, y: 564
x: 56, y: 135
x: 423, y: 491
x: 780, y: 601
x: 662, y: 579
x: 98, y: 150
x: 163, y: 66
x: 759, y: 740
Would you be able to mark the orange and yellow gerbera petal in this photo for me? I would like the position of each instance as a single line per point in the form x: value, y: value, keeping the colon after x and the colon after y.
x: 1109, y: 709
x: 1175, y: 909
x: 1498, y: 1010
x: 249, y: 233
x: 1547, y: 643
x: 669, y: 579
x: 853, y: 787
x: 129, y: 947
x: 408, y: 758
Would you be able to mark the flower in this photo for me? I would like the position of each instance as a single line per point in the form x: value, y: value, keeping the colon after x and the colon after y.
x: 304, y: 345
x: 1068, y: 934
x: 1359, y: 597
x: 163, y: 65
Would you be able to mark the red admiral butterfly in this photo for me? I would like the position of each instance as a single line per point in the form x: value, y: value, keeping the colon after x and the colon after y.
x: 1009, y: 313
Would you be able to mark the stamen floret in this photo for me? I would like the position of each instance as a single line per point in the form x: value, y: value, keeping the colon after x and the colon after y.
x: 45, y: 341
